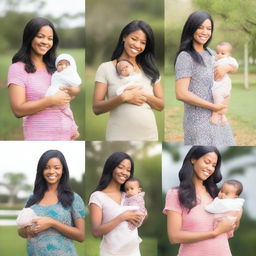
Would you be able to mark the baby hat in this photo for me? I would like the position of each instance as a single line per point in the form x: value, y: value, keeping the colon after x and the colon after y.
x: 68, y: 57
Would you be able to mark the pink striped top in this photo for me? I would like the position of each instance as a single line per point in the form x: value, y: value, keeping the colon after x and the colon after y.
x: 197, y: 220
x: 50, y: 123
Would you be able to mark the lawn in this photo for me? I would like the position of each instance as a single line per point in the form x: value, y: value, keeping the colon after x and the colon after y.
x: 12, y: 244
x: 241, y: 111
x: 11, y: 127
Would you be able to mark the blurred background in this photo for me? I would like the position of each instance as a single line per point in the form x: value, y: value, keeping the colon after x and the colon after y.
x: 234, y: 21
x: 69, y: 20
x: 104, y: 22
x: 18, y: 164
x: 147, y: 168
x: 237, y: 163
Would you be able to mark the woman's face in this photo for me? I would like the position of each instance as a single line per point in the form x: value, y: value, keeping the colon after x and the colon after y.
x: 204, y: 166
x: 135, y: 43
x: 53, y: 171
x: 203, y: 33
x: 43, y: 41
x: 122, y: 172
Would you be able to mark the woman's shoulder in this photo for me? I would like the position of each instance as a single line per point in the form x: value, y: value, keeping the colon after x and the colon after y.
x: 106, y: 64
x: 173, y: 191
x: 18, y: 66
x: 77, y: 197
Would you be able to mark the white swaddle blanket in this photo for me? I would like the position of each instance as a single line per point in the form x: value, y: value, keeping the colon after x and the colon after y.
x: 25, y: 217
x: 224, y: 205
x: 66, y: 77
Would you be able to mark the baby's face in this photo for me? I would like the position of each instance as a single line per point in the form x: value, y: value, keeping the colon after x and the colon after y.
x: 223, y: 51
x: 132, y: 188
x: 227, y: 191
x: 62, y: 64
x: 124, y: 68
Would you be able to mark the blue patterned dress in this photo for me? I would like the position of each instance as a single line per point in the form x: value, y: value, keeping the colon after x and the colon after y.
x: 50, y: 242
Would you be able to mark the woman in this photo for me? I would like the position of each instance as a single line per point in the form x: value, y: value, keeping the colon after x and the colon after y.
x: 194, y: 79
x: 131, y: 116
x: 60, y: 210
x: 188, y: 223
x: 28, y: 80
x: 106, y: 208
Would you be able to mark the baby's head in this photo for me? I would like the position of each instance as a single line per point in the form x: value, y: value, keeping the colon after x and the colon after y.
x: 63, y: 61
x: 230, y: 189
x: 132, y: 187
x: 62, y: 64
x: 223, y: 50
x: 124, y: 67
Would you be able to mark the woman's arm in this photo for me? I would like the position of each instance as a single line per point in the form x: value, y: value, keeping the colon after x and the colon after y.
x: 71, y: 90
x: 101, y: 105
x: 183, y: 94
x: 99, y: 229
x: 21, y: 107
x: 156, y: 101
x: 223, y: 69
x: 75, y: 233
x: 177, y: 235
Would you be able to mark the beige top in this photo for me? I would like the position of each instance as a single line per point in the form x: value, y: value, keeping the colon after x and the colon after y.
x: 127, y: 121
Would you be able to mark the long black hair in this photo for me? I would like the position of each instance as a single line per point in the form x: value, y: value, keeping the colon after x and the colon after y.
x: 146, y: 59
x: 111, y: 163
x: 187, y: 193
x: 65, y: 194
x: 24, y: 54
x: 194, y: 21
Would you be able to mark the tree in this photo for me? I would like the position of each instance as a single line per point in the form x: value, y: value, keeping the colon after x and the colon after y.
x: 14, y: 182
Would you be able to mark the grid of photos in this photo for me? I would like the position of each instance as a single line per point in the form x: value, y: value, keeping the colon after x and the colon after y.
x: 127, y: 128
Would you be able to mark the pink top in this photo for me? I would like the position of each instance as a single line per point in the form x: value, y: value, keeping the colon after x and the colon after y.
x: 48, y: 124
x: 197, y: 220
x: 120, y: 240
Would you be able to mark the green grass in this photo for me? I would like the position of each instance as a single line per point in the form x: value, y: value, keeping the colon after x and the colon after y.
x: 148, y: 246
x: 12, y: 244
x: 96, y: 124
x: 11, y: 127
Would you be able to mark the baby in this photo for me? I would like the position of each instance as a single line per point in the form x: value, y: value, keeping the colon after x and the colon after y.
x: 227, y: 203
x: 25, y: 217
x: 129, y: 77
x: 134, y: 197
x: 221, y: 89
x: 65, y: 75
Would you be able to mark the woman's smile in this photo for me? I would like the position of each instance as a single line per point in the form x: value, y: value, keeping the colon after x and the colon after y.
x: 53, y: 171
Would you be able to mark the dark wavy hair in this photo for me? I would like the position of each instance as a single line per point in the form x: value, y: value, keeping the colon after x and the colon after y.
x: 65, y: 194
x: 194, y: 21
x: 187, y: 193
x: 111, y: 163
x: 24, y: 54
x: 146, y: 59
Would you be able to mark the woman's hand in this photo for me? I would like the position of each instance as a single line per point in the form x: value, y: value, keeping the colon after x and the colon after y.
x: 60, y: 98
x: 223, y: 69
x: 134, y: 95
x: 220, y: 108
x: 224, y: 225
x: 71, y: 90
x: 41, y: 224
x: 133, y: 216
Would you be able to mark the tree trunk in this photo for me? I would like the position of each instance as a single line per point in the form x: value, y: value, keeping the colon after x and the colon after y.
x: 246, y: 71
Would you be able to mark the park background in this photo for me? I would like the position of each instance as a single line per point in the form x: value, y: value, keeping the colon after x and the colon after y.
x: 237, y: 163
x: 18, y: 164
x: 104, y: 22
x: 234, y: 21
x: 147, y: 168
x: 69, y: 20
